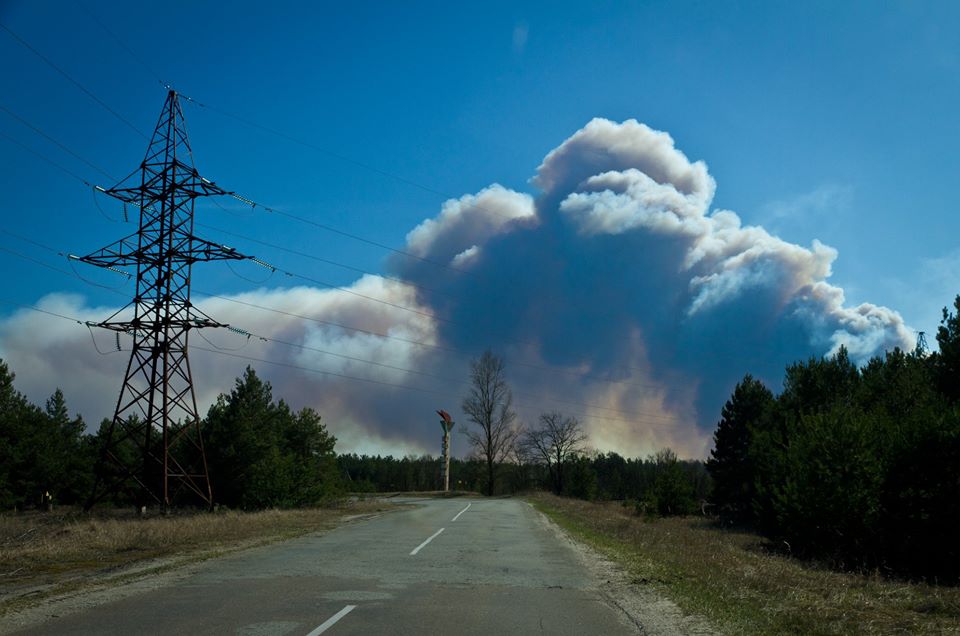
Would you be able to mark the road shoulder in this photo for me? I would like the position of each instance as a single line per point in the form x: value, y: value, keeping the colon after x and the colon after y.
x: 651, y: 612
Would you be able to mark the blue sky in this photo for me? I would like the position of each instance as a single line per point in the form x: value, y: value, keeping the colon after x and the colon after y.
x: 817, y: 120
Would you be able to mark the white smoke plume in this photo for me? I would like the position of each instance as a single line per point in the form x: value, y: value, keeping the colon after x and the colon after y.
x: 616, y: 294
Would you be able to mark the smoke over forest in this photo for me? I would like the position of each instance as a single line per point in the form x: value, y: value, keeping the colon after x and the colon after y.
x: 613, y: 291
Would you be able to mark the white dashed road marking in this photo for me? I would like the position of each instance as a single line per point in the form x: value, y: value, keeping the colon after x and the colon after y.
x: 423, y: 545
x: 330, y: 622
x: 461, y: 512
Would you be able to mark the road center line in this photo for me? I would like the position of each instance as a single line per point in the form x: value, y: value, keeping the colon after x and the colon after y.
x: 421, y: 546
x: 461, y: 512
x: 330, y: 622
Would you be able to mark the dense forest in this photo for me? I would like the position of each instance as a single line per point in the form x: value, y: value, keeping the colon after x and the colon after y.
x: 260, y: 453
x: 859, y: 466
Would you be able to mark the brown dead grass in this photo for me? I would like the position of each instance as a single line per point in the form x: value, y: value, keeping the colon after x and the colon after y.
x: 730, y: 577
x: 41, y: 553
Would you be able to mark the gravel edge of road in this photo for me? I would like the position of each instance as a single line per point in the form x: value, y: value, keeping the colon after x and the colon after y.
x: 649, y: 611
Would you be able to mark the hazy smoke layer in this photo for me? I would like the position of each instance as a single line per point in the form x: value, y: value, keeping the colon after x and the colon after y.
x: 617, y: 295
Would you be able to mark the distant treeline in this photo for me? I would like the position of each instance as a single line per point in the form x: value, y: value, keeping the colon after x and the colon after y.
x: 660, y: 484
x: 858, y: 466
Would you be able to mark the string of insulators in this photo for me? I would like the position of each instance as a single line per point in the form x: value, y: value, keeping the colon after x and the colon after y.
x: 74, y: 257
x: 251, y: 203
x: 240, y: 331
x: 263, y: 263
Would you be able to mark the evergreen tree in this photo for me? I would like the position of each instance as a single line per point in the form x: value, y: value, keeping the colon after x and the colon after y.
x: 947, y: 360
x: 826, y: 495
x: 260, y: 454
x: 731, y: 465
x: 672, y: 492
x: 63, y: 463
x: 21, y: 425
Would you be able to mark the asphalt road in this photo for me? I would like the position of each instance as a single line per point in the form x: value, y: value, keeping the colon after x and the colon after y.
x: 443, y: 566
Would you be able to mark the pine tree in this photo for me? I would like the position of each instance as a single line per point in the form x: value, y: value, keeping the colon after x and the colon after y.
x: 731, y: 464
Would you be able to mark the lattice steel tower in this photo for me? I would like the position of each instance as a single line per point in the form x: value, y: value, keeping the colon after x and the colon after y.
x: 153, y: 446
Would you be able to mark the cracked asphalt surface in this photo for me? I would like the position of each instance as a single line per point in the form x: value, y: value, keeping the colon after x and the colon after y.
x: 497, y: 569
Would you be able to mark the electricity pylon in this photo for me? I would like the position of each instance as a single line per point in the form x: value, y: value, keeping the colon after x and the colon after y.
x: 153, y: 445
x: 921, y: 347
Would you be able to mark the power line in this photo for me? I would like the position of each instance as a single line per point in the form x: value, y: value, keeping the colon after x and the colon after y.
x: 273, y: 131
x: 419, y: 343
x: 577, y: 374
x: 320, y: 259
x: 117, y: 39
x: 54, y: 141
x: 328, y: 228
x: 228, y: 232
x: 73, y: 81
x: 34, y: 260
x: 263, y: 338
x: 242, y: 199
x: 403, y: 386
x: 286, y: 272
x: 253, y: 205
x: 312, y: 279
x: 425, y: 374
x: 42, y: 311
x: 47, y: 159
x: 418, y: 389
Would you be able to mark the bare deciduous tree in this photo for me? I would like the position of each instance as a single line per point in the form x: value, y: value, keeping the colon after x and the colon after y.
x: 489, y: 406
x: 554, y: 442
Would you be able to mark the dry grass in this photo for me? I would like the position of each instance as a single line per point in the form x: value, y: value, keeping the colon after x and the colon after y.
x: 43, y: 552
x: 743, y: 588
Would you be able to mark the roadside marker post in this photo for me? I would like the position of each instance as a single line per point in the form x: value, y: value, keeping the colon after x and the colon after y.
x: 446, y: 423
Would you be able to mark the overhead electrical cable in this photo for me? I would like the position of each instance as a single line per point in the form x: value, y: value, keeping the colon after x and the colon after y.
x: 247, y: 201
x: 425, y: 374
x: 54, y: 141
x: 42, y: 311
x: 59, y: 70
x: 326, y: 284
x: 320, y: 259
x: 291, y: 138
x: 254, y: 205
x: 248, y: 334
x: 329, y: 373
x: 419, y: 343
x: 577, y: 374
x: 409, y: 387
x: 323, y: 226
x: 47, y: 159
x: 117, y: 39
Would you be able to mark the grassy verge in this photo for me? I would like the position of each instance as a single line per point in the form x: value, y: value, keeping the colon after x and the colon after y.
x: 741, y: 587
x: 47, y: 553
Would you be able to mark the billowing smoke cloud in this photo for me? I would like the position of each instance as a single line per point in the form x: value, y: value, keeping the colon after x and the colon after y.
x: 629, y: 278
x: 616, y: 295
